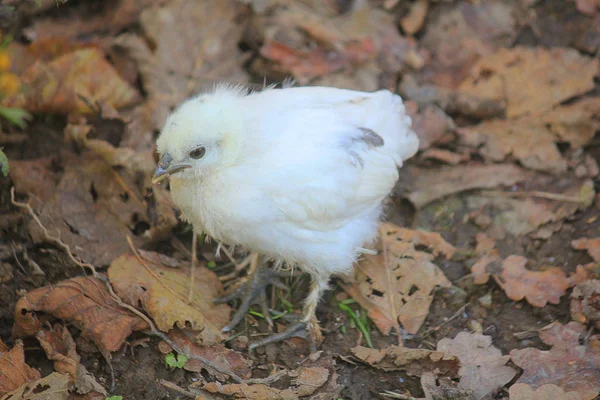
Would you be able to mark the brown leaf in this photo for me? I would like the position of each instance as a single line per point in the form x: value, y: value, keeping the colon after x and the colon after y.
x: 483, y: 369
x: 14, y: 372
x: 52, y: 387
x: 307, y: 64
x: 592, y: 246
x: 163, y: 293
x: 457, y: 37
x: 569, y: 364
x: 585, y: 302
x: 532, y: 139
x: 306, y: 43
x: 315, y: 378
x: 413, y: 278
x: 83, y: 301
x: 218, y: 354
x: 59, y: 85
x: 521, y: 391
x: 532, y: 80
x: 435, y: 183
x: 537, y: 287
x: 430, y: 124
x: 92, y: 207
x: 535, y: 215
x: 589, y: 7
x: 187, y: 56
x: 452, y: 101
x: 112, y: 18
x: 60, y: 348
x: 415, y: 18
x: 414, y: 361
x: 481, y: 269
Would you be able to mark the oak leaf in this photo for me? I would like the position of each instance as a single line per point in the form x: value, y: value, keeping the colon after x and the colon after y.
x: 573, y: 366
x: 162, y: 291
x: 14, y: 372
x: 83, y: 301
x: 483, y: 368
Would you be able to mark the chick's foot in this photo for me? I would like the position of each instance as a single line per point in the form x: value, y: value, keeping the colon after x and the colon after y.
x: 252, y: 292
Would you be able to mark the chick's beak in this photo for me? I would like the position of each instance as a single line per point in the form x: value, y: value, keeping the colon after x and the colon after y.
x: 166, y: 168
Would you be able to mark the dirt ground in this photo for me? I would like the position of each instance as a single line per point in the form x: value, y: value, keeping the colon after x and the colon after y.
x: 43, y: 153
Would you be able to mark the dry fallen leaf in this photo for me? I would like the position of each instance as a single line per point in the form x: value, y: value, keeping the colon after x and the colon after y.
x: 592, y: 246
x: 589, y: 7
x: 52, y: 387
x: 585, y: 303
x: 413, y: 275
x: 532, y: 80
x: 457, y: 37
x: 536, y: 216
x: 521, y: 391
x: 14, y: 372
x: 415, y: 18
x: 569, y: 364
x: 82, y: 301
x: 92, y: 207
x: 113, y: 19
x: 59, y: 85
x: 532, y: 139
x: 537, y: 287
x: 194, y: 44
x: 482, y: 269
x: 483, y: 369
x: 60, y: 348
x: 306, y: 43
x: 414, y: 361
x: 162, y: 291
x: 430, y: 123
x: 221, y: 356
x: 316, y: 379
x: 435, y: 183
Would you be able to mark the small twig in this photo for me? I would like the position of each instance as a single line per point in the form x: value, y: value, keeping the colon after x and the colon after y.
x: 535, y: 193
x: 50, y: 238
x: 178, y: 389
x: 193, y: 265
x: 393, y: 395
x: 437, y: 328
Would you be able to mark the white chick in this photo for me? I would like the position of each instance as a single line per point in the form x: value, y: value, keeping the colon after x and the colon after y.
x: 295, y: 174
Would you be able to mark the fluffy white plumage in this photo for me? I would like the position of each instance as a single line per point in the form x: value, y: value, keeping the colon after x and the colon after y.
x: 297, y: 174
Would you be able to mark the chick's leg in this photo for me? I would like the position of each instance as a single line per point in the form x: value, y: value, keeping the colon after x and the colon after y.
x: 308, y: 324
x: 252, y: 292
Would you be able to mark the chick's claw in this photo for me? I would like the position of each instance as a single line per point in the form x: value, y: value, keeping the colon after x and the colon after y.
x: 252, y: 292
x: 297, y: 329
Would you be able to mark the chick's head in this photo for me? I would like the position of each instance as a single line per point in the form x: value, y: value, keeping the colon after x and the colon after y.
x: 203, y: 135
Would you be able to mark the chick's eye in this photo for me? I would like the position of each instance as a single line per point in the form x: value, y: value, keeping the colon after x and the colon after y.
x: 198, y: 152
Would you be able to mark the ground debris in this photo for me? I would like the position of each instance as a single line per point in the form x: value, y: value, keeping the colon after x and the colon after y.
x: 585, y: 303
x: 531, y: 80
x: 537, y: 287
x: 572, y: 366
x: 15, y: 372
x: 83, y: 301
x: 413, y: 361
x: 163, y: 292
x: 60, y: 348
x: 521, y: 391
x: 398, y: 283
x: 483, y: 369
